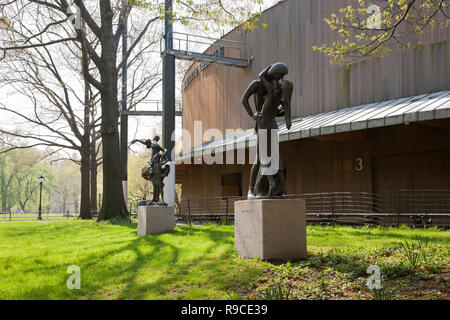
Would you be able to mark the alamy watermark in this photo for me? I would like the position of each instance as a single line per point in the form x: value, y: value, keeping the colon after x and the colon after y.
x: 230, y: 149
x: 75, y: 17
x: 374, y: 20
x: 74, y: 280
x: 374, y: 281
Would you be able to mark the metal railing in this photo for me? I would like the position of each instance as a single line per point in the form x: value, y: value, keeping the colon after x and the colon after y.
x: 207, y: 49
x: 410, y: 207
x: 32, y: 215
x: 150, y: 108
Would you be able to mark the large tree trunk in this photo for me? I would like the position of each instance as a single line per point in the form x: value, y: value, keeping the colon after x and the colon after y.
x: 85, y: 205
x: 113, y: 202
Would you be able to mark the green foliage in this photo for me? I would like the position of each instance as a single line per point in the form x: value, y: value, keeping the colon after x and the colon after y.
x: 379, y: 294
x: 373, y: 28
x: 19, y: 185
x: 138, y: 188
x: 338, y: 272
x: 4, y: 22
x: 421, y: 254
x: 212, y: 16
x: 117, y: 221
x: 66, y: 195
x: 276, y: 289
x: 412, y: 252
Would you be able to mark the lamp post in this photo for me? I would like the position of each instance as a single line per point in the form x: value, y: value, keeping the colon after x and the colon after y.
x: 41, y: 181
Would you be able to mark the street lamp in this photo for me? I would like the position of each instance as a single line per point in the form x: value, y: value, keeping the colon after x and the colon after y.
x: 41, y: 181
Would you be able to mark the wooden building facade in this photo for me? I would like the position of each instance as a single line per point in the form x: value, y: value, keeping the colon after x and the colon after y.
x: 415, y: 156
x: 410, y: 156
x: 293, y: 28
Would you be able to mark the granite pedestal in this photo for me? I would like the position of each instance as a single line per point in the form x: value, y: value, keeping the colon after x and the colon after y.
x: 155, y: 219
x: 271, y: 228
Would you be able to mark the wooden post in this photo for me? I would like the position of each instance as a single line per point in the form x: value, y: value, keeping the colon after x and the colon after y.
x: 321, y: 204
x: 332, y: 208
x: 189, y: 211
x: 398, y: 208
x: 226, y: 211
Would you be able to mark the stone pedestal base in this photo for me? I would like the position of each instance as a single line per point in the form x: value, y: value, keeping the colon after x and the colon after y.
x: 155, y: 220
x: 271, y: 229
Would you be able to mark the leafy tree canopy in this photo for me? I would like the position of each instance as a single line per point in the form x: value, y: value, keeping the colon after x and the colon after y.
x: 374, y: 28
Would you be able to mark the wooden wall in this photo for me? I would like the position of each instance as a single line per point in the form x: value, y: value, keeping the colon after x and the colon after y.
x: 415, y: 156
x: 294, y: 27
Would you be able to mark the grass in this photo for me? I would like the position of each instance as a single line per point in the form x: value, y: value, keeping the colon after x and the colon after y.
x: 200, y: 263
x: 414, y: 264
x: 188, y: 263
x: 344, y: 237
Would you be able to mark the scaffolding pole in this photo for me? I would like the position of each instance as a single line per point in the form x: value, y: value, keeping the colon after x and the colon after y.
x: 168, y: 113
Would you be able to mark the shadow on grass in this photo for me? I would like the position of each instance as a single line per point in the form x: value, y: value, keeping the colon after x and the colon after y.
x: 189, y: 262
x: 163, y: 266
x: 172, y: 275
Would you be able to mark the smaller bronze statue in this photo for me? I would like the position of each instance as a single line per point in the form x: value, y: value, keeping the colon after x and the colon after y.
x: 157, y: 170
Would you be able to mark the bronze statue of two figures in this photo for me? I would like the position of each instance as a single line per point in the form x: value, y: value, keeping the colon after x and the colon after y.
x: 272, y: 96
x: 158, y: 168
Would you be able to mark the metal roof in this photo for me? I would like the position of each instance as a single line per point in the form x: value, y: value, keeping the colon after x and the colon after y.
x: 386, y: 113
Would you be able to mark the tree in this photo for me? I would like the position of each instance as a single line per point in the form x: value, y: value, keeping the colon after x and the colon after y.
x: 67, y: 188
x: 26, y: 191
x: 375, y: 27
x: 19, y: 172
x: 100, y: 29
x: 138, y: 187
x: 52, y: 78
x: 51, y: 86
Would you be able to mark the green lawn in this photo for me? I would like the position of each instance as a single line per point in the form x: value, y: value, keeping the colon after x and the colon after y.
x: 188, y: 263
x: 348, y: 237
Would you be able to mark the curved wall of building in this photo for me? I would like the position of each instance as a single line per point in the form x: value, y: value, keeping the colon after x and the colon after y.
x: 213, y: 94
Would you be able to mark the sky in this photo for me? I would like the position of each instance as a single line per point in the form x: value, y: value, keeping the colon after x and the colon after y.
x: 139, y: 126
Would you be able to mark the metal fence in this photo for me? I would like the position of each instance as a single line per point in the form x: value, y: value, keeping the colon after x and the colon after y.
x: 190, y: 44
x: 415, y: 208
x: 33, y: 215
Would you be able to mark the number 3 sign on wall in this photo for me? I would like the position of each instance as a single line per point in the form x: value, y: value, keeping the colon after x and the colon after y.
x: 359, y: 164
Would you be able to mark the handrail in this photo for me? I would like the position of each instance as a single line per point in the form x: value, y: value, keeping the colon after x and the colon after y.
x: 400, y: 206
x: 219, y: 50
x: 205, y: 37
x: 158, y: 103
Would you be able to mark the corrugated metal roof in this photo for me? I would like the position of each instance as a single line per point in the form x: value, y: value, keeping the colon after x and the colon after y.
x: 417, y: 108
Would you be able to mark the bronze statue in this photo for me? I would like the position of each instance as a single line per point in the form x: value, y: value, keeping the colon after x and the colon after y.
x: 157, y: 170
x: 272, y: 96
